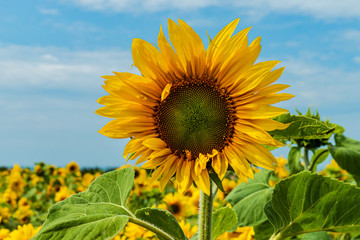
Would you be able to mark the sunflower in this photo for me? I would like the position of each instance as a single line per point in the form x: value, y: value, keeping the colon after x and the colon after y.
x: 195, y: 109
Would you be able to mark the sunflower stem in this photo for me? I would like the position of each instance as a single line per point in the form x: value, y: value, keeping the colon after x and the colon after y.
x: 205, y: 213
x: 151, y: 227
x: 306, y: 158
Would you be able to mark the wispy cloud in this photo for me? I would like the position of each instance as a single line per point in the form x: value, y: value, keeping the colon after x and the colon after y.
x: 322, y: 9
x: 58, y: 68
x: 48, y: 11
x: 321, y: 86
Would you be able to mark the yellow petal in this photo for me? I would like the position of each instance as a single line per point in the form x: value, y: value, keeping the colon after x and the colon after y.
x: 154, y: 162
x: 155, y: 143
x: 202, y: 181
x: 269, y: 124
x: 149, y: 61
x: 170, y: 168
x: 166, y: 91
x: 260, y: 112
x: 144, y: 156
x: 170, y: 55
x: 188, y: 46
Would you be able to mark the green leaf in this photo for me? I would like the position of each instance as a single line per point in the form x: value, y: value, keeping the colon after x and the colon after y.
x: 315, y: 236
x: 163, y: 220
x: 263, y: 231
x: 248, y: 199
x: 346, y: 153
x: 294, y: 162
x: 98, y: 213
x: 319, y: 156
x: 303, y: 127
x: 213, y: 175
x: 223, y: 220
x: 308, y: 202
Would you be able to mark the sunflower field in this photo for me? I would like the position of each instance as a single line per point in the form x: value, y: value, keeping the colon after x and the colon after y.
x: 26, y: 195
x: 202, y: 125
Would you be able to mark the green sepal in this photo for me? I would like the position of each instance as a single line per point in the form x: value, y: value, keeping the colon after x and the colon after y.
x: 213, y: 176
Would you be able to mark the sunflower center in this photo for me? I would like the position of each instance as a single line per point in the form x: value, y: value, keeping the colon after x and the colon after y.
x: 195, y: 116
x: 175, y: 208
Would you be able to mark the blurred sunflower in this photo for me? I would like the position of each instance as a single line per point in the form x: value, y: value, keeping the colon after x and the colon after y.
x: 176, y: 204
x: 193, y: 109
x: 73, y: 168
x: 23, y: 232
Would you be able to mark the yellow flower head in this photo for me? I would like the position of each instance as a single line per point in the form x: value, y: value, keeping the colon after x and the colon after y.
x: 63, y: 193
x: 4, y: 233
x: 23, y: 215
x: 9, y: 197
x: 243, y: 233
x: 281, y: 170
x: 5, y: 214
x: 177, y: 204
x: 188, y: 230
x: 16, y: 182
x: 135, y: 232
x: 193, y: 109
x: 73, y: 168
x: 24, y: 232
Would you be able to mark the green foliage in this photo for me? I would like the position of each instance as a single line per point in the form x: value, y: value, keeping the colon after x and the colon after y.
x: 162, y: 219
x: 309, y: 202
x: 303, y: 127
x: 248, y: 199
x: 101, y: 212
x: 224, y: 220
x: 263, y: 231
x: 294, y: 163
x: 346, y: 153
x: 315, y: 236
x: 319, y: 156
x: 213, y: 175
x: 98, y: 213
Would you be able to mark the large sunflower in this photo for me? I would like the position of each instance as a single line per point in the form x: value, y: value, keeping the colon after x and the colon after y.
x: 195, y: 109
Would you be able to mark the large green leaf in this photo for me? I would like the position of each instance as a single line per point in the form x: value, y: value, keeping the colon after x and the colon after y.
x: 346, y: 153
x: 309, y: 202
x: 163, y: 220
x: 303, y: 127
x: 224, y: 219
x: 248, y: 199
x: 98, y: 213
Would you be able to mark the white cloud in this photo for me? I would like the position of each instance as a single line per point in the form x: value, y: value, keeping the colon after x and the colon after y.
x: 58, y: 68
x: 142, y: 5
x: 321, y: 86
x: 357, y: 59
x: 48, y: 11
x: 323, y: 9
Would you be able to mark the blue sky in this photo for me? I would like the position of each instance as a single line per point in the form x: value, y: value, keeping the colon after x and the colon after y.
x: 52, y: 54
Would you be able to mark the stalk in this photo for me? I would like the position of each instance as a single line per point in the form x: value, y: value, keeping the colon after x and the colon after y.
x: 151, y: 227
x: 205, y: 214
x: 306, y: 158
